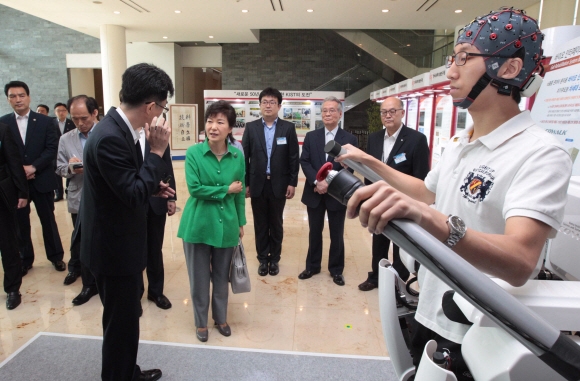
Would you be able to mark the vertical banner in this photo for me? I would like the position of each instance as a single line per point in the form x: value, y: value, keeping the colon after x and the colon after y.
x: 183, y: 121
x: 557, y: 104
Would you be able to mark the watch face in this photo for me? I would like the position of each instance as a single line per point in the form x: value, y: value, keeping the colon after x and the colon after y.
x: 457, y: 224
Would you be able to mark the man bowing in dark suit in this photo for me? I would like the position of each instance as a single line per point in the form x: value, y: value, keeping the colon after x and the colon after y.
x: 317, y: 201
x: 271, y: 152
x: 407, y: 151
x: 117, y: 186
x: 13, y: 195
x: 37, y: 141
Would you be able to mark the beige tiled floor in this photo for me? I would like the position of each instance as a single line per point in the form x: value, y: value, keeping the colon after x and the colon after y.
x: 281, y: 313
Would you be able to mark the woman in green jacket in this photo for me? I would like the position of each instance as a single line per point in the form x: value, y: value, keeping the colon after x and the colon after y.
x: 214, y: 216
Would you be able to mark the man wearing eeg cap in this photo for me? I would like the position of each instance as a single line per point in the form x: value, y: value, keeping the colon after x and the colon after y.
x: 499, y: 190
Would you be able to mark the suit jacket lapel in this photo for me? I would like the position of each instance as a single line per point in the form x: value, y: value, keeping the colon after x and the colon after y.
x: 31, y: 127
x: 261, y: 135
x: 78, y: 145
x: 128, y: 135
x: 277, y: 134
x: 378, y: 146
x: 16, y: 133
x: 398, y: 144
x: 321, y: 137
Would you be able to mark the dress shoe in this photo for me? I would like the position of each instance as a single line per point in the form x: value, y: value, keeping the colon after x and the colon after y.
x: 226, y: 331
x: 201, y: 335
x: 308, y: 274
x: 160, y: 301
x: 25, y: 269
x: 263, y: 269
x: 86, y: 294
x: 59, y: 265
x: 57, y: 196
x: 71, y: 277
x: 57, y: 199
x: 150, y: 375
x: 367, y: 286
x: 338, y: 279
x: 274, y: 269
x: 13, y: 300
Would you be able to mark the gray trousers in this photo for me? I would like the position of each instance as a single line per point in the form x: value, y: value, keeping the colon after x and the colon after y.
x: 206, y: 262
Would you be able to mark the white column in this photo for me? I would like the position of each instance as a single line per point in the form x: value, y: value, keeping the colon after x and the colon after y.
x: 114, y: 62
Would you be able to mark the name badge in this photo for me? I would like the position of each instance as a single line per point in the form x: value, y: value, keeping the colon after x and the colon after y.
x: 400, y: 158
x: 281, y: 141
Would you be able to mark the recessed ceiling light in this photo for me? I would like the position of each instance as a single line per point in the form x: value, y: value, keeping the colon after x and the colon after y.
x: 458, y: 11
x: 177, y: 11
x: 165, y: 37
x: 359, y: 44
x: 210, y: 36
x: 97, y: 2
x: 408, y: 44
x: 310, y: 10
x: 117, y: 12
x: 396, y: 53
x: 244, y: 11
x: 385, y: 10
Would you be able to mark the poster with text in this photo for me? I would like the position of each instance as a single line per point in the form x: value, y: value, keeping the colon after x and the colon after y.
x: 183, y: 121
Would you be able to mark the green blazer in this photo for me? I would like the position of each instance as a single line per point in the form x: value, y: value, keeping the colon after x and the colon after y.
x: 211, y: 215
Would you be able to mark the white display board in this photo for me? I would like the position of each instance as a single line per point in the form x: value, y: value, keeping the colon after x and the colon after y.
x: 299, y: 107
x: 443, y: 119
x: 412, y: 109
x: 557, y: 104
x: 425, y: 112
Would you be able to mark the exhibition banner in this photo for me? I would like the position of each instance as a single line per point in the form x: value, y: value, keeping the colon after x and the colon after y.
x: 303, y: 108
x: 557, y: 104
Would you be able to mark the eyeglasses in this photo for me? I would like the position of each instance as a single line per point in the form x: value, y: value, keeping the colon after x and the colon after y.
x: 461, y: 58
x: 165, y: 109
x: 391, y: 112
x: 271, y: 103
x: 329, y: 110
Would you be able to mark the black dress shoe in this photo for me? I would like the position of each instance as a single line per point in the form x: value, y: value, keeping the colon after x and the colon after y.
x: 13, y: 300
x: 274, y: 269
x: 263, y: 269
x: 201, y: 335
x: 308, y: 274
x: 338, y: 279
x: 71, y: 277
x: 59, y: 265
x: 150, y: 375
x: 367, y: 286
x: 160, y: 301
x: 226, y: 331
x: 86, y: 294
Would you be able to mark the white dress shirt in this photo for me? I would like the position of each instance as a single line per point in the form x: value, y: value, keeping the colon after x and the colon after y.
x: 329, y: 136
x: 22, y: 122
x: 389, y: 143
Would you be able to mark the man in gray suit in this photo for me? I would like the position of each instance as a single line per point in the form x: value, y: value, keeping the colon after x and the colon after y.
x: 84, y: 111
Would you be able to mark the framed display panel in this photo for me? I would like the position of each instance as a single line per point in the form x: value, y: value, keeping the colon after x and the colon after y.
x: 183, y: 121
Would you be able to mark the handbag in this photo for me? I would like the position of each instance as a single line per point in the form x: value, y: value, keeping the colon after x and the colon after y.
x: 239, y: 276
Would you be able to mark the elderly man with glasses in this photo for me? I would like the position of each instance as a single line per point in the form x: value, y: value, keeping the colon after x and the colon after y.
x: 405, y: 150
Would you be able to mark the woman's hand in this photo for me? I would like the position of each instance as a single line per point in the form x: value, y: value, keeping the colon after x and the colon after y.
x: 241, y: 232
x: 235, y: 187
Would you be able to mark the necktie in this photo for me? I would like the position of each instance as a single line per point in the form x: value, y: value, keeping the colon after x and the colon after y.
x: 139, y: 154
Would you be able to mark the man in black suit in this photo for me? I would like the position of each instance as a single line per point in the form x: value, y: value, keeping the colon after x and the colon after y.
x: 117, y: 187
x: 271, y: 152
x: 407, y: 151
x: 317, y: 201
x: 13, y: 195
x: 157, y: 212
x: 42, y: 109
x: 63, y: 125
x: 37, y: 141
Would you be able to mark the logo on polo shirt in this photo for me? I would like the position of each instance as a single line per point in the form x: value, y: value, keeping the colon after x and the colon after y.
x: 477, y: 184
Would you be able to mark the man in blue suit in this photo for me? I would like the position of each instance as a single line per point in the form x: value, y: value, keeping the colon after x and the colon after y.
x: 37, y: 140
x: 317, y: 201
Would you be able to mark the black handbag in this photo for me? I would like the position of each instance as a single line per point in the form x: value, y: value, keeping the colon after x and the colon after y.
x: 239, y: 276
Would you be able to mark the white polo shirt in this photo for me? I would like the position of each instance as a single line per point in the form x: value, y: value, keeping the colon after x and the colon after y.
x: 516, y: 170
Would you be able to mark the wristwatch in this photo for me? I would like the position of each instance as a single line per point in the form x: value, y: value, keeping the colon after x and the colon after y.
x: 457, y: 230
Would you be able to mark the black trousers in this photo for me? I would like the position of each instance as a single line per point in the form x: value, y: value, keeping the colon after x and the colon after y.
x: 267, y: 210
x: 44, y: 203
x: 380, y: 251
x: 74, y: 264
x: 120, y: 296
x: 336, y: 227
x: 59, y: 188
x: 11, y: 261
x: 155, y: 270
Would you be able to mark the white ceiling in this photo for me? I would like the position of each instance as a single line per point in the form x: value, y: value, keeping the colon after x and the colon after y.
x: 224, y: 19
